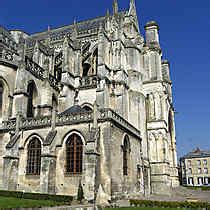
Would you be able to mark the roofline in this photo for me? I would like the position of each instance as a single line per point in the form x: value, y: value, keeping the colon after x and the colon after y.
x: 64, y: 26
x: 193, y: 156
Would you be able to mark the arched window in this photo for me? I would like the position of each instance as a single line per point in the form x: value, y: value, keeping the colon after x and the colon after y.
x: 170, y: 123
x: 74, y: 152
x: 126, y: 151
x: 30, y: 91
x: 95, y: 62
x: 1, y: 99
x: 58, y: 67
x: 86, y: 68
x: 34, y: 157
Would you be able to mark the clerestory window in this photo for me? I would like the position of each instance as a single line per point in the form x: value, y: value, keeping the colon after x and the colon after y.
x: 30, y: 107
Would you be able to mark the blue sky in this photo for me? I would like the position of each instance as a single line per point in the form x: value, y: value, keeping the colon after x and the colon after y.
x: 185, y: 40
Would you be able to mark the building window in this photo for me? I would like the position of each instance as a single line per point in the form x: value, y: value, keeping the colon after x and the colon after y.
x: 1, y: 99
x: 206, y: 180
x: 190, y: 170
x: 189, y: 162
x: 198, y: 162
x: 58, y: 67
x: 205, y: 162
x: 199, y: 171
x: 170, y: 123
x: 34, y: 157
x: 74, y: 153
x: 205, y: 171
x: 200, y: 180
x: 86, y: 68
x: 126, y: 148
x: 30, y: 106
x: 190, y: 181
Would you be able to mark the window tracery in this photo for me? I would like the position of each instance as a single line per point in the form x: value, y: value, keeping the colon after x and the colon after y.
x: 74, y: 153
x: 34, y: 157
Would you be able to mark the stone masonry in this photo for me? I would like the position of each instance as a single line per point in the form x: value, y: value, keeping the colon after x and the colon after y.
x: 98, y: 81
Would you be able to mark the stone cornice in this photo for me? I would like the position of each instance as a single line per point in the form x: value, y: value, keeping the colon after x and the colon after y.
x: 76, y: 118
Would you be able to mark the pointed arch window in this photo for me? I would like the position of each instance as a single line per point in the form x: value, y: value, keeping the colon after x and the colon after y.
x: 86, y: 68
x: 126, y: 151
x: 30, y: 91
x: 170, y: 123
x: 1, y: 99
x: 34, y: 157
x: 74, y: 153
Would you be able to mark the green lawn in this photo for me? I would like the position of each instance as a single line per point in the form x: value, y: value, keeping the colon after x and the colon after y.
x: 8, y: 202
x: 147, y: 208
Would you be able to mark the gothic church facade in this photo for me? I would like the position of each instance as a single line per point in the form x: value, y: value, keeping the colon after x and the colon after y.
x: 88, y: 103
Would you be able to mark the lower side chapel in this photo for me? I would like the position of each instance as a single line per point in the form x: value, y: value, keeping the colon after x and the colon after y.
x: 87, y: 104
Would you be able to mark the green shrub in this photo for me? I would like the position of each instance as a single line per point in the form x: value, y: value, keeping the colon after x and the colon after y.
x: 37, y: 196
x: 169, y: 204
x: 204, y: 188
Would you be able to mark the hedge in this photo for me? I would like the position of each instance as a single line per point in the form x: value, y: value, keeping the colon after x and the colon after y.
x: 169, y: 204
x: 36, y: 196
x: 203, y: 188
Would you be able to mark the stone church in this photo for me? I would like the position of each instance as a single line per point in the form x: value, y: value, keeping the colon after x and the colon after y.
x: 87, y: 104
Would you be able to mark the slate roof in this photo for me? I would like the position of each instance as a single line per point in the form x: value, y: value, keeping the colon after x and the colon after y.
x: 68, y: 29
x: 7, y: 39
x: 73, y: 109
x: 197, y: 153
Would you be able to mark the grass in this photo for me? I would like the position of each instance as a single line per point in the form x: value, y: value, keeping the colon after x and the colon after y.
x: 9, y: 202
x: 148, y: 208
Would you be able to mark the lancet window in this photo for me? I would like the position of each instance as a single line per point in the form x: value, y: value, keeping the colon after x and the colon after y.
x: 126, y: 151
x: 34, y: 157
x: 74, y: 153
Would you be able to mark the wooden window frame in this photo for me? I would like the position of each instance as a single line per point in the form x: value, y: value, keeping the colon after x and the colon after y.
x: 34, y: 157
x: 74, y: 155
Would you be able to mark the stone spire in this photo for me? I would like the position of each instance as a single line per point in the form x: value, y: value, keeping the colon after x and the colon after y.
x: 47, y: 42
x: 115, y: 7
x: 36, y: 52
x: 75, y: 32
x: 132, y: 9
x: 107, y: 13
x: 66, y: 54
x: 132, y: 12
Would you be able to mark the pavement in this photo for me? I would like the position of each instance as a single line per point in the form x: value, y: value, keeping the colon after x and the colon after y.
x: 178, y: 194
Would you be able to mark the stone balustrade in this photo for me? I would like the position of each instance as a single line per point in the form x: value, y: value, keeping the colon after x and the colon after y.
x: 35, y: 123
x: 7, y: 57
x: 88, y: 82
x: 34, y: 68
x: 74, y: 118
x: 109, y: 114
x: 53, y: 82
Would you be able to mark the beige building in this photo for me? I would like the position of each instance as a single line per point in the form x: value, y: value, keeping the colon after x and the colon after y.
x: 87, y: 103
x: 195, y: 168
